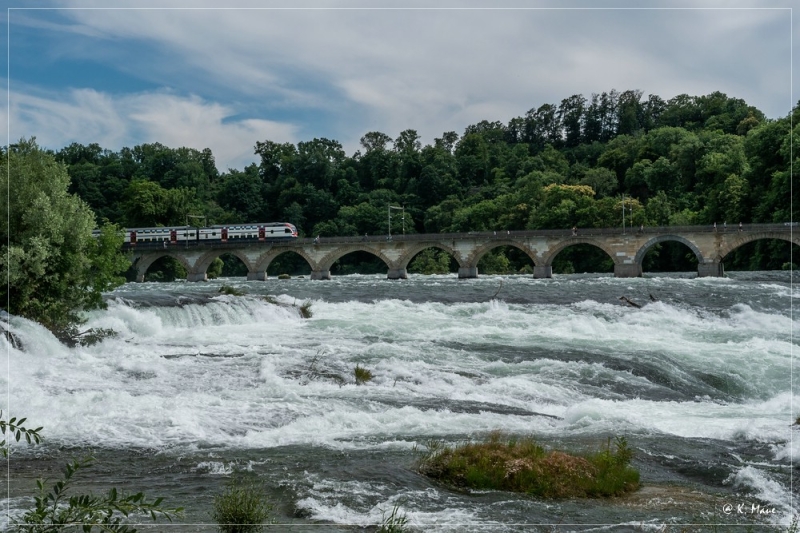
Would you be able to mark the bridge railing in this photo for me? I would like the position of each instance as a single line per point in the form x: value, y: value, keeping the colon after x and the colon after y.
x: 505, y: 234
x: 494, y: 235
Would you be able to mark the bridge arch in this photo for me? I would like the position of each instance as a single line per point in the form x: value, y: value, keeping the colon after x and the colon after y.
x: 746, y: 237
x: 327, y: 262
x: 262, y: 264
x: 143, y: 262
x: 547, y: 260
x: 416, y: 248
x: 476, y: 255
x: 205, y: 260
x: 642, y: 251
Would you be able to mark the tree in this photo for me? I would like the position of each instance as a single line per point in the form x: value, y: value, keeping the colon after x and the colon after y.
x: 564, y: 206
x: 542, y: 126
x: 241, y: 192
x: 570, y: 113
x: 54, y: 266
x: 375, y: 140
x: 630, y: 113
x: 147, y: 204
x: 602, y: 180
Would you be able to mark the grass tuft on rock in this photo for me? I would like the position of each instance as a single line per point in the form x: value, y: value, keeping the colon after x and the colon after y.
x: 305, y: 310
x: 242, y: 507
x: 396, y: 522
x: 362, y: 375
x: 231, y: 291
x: 522, y: 465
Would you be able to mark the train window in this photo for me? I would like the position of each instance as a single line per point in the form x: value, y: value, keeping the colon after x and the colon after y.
x: 287, y: 230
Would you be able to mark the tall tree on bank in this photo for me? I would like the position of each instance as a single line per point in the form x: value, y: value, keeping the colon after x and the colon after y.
x: 54, y: 266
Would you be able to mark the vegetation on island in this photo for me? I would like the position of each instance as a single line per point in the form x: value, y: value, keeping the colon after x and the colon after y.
x: 508, y: 463
x: 686, y: 160
x: 231, y: 291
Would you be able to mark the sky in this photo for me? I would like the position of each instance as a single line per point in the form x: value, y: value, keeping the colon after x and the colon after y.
x: 200, y: 75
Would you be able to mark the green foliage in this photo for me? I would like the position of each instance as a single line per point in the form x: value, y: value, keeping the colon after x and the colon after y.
x: 166, y: 268
x: 54, y: 511
x: 71, y: 336
x: 689, y: 160
x: 18, y: 431
x: 53, y: 265
x: 215, y: 269
x: 232, y: 291
x: 305, y: 310
x: 394, y: 523
x: 242, y: 507
x: 522, y: 465
x: 147, y: 204
x: 430, y: 261
x: 362, y: 375
x: 494, y: 262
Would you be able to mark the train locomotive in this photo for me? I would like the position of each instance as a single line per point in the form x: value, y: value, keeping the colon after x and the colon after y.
x: 263, y: 232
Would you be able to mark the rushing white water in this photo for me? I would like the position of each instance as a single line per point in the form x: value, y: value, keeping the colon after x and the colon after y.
x: 241, y: 373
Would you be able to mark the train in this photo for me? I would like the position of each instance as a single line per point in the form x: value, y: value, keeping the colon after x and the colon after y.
x: 259, y: 231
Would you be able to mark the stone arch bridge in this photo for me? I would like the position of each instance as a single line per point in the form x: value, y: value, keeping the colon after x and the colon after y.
x: 627, y: 249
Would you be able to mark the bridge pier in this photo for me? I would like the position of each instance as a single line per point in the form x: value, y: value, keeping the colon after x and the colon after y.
x: 196, y: 276
x: 710, y: 270
x: 467, y: 272
x: 140, y: 277
x: 627, y: 270
x: 260, y: 275
x: 397, y: 273
x: 320, y: 274
x: 543, y: 271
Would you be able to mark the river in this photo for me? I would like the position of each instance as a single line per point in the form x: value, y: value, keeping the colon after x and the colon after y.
x: 200, y: 387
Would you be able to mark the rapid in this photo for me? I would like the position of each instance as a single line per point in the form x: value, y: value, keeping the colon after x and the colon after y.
x: 198, y: 387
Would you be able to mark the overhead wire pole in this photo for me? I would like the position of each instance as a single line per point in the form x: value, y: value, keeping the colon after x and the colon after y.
x: 623, y: 213
x: 389, y: 211
x: 186, y: 232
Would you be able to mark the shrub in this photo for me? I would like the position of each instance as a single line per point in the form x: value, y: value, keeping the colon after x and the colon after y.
x: 232, y: 291
x: 522, y: 465
x: 242, y: 507
x: 305, y: 310
x: 361, y: 374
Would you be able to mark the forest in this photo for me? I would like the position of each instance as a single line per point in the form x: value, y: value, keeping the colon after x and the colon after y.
x: 686, y: 160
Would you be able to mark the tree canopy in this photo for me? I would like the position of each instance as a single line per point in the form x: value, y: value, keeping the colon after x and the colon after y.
x: 54, y: 266
x: 690, y: 159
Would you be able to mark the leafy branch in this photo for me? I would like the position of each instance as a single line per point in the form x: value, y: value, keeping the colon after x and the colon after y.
x: 17, y: 430
x: 54, y: 510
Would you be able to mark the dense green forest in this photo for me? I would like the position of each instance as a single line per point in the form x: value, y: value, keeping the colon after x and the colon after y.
x: 688, y: 160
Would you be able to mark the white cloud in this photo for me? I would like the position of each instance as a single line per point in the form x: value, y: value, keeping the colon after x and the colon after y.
x: 342, y: 73
x: 87, y: 116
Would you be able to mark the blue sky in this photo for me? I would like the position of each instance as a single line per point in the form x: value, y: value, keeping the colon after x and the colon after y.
x: 226, y: 78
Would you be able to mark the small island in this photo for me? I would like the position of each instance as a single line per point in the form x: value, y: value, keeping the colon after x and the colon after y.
x: 507, y: 463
